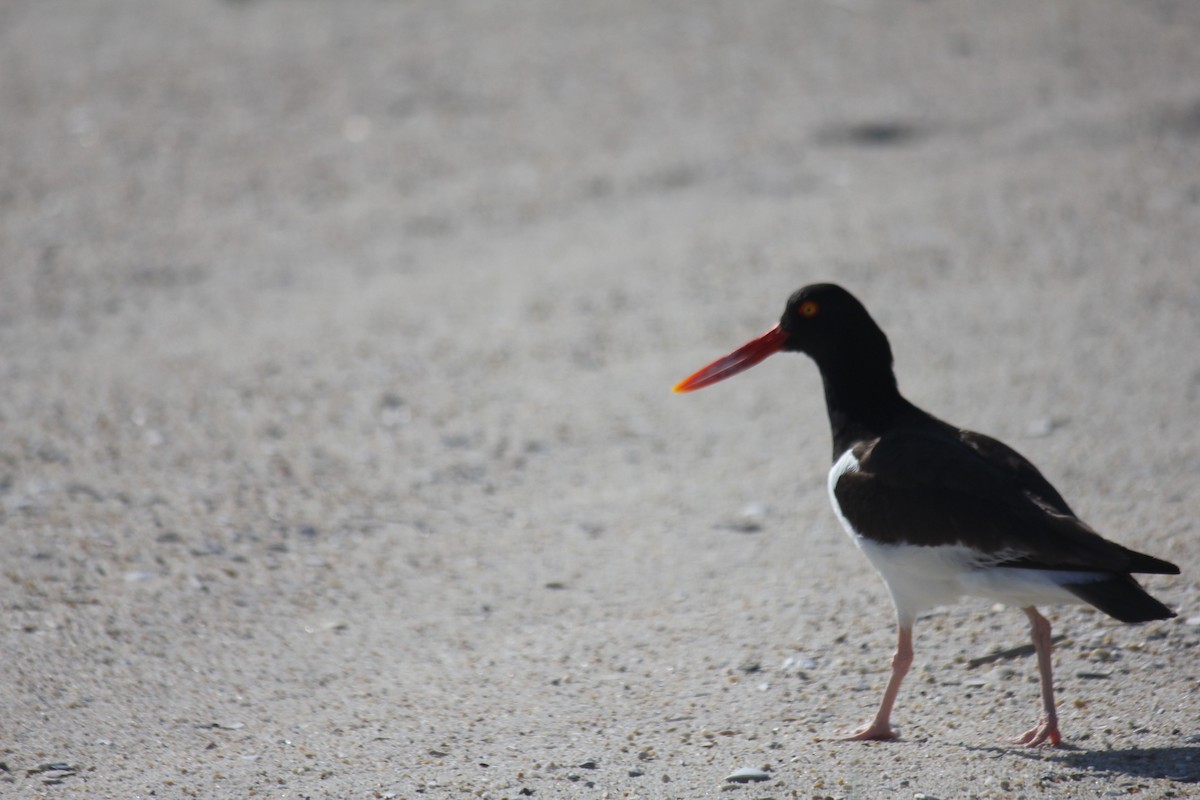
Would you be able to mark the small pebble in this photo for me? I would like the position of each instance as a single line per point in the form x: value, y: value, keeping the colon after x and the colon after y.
x: 751, y: 519
x: 799, y: 663
x: 57, y: 766
x: 1041, y: 428
x: 747, y: 775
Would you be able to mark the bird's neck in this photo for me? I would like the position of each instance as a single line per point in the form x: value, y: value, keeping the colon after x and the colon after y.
x: 862, y: 399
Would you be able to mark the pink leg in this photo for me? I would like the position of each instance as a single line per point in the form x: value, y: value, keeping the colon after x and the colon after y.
x: 1047, y: 728
x: 880, y: 728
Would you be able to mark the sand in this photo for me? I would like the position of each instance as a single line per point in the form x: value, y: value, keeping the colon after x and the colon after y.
x: 338, y: 456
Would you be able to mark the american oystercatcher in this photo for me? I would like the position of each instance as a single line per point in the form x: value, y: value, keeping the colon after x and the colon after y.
x: 939, y: 511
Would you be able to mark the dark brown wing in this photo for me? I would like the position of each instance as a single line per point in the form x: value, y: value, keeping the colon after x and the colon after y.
x: 941, y: 486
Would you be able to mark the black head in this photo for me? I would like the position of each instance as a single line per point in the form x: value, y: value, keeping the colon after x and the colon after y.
x: 824, y: 321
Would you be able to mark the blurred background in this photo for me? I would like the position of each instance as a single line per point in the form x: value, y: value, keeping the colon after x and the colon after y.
x: 336, y: 342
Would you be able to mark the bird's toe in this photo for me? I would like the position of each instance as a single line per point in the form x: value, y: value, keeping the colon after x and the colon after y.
x: 1045, y: 732
x: 873, y: 732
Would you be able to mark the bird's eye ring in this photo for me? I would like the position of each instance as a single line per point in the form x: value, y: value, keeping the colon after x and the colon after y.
x: 808, y: 308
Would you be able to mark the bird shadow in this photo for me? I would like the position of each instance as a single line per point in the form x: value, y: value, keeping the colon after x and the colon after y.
x: 1180, y: 764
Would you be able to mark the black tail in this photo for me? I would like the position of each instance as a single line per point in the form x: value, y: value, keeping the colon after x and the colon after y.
x: 1120, y: 597
x: 1140, y: 562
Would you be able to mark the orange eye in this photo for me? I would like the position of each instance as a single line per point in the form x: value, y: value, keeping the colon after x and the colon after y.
x: 808, y: 308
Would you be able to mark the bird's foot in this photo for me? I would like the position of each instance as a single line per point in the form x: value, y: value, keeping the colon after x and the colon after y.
x: 875, y: 732
x: 1045, y: 732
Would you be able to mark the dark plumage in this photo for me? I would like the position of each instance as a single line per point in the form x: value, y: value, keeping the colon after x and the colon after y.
x: 941, y: 511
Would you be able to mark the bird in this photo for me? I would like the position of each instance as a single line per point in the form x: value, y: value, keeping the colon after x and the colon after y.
x: 939, y: 511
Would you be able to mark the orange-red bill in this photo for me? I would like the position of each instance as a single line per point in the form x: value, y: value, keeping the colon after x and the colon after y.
x: 739, y: 360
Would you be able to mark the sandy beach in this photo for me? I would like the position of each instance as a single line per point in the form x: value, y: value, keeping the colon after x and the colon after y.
x: 338, y: 457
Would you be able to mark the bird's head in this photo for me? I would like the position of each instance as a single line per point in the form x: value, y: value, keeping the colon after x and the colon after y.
x: 823, y: 320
